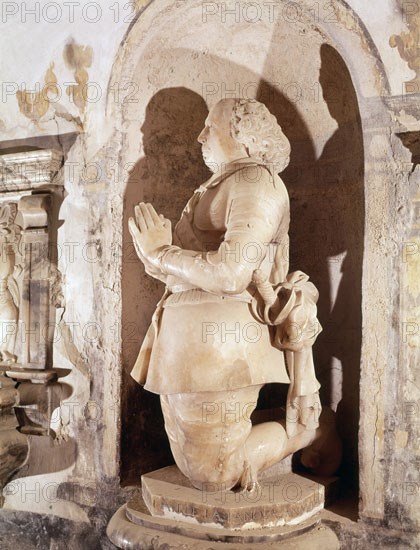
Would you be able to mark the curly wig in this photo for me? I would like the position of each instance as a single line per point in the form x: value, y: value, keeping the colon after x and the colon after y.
x: 257, y: 129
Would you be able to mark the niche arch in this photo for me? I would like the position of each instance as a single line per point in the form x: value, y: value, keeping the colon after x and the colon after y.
x: 170, y: 65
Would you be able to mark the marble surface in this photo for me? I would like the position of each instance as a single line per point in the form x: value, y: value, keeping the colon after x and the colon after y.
x: 278, y: 501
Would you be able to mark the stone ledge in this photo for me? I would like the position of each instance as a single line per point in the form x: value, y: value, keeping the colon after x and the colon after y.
x: 153, y: 532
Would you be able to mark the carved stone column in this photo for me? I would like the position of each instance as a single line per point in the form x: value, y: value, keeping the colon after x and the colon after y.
x: 30, y: 192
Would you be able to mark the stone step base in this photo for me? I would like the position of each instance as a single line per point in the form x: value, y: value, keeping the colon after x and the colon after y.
x: 133, y: 528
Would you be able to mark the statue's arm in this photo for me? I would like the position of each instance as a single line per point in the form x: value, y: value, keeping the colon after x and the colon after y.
x: 252, y: 219
x: 153, y: 271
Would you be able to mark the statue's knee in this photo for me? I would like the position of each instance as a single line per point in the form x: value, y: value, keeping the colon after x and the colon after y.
x: 221, y: 476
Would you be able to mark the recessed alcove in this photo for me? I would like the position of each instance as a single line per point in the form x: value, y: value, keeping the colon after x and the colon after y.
x: 353, y: 182
x: 308, y: 74
x: 312, y: 95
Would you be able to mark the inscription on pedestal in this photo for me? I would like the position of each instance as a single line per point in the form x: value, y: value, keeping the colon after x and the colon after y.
x: 283, y: 500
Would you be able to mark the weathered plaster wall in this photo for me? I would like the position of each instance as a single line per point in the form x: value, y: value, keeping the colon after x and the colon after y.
x: 75, y: 55
x: 382, y: 21
x: 124, y: 122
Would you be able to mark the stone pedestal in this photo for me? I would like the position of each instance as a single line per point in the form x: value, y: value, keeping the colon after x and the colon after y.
x: 133, y: 528
x: 169, y: 510
x: 277, y: 501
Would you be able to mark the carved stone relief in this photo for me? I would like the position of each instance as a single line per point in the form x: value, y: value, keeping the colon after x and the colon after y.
x: 29, y: 391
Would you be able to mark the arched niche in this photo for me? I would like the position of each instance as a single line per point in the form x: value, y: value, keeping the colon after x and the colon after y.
x: 317, y: 75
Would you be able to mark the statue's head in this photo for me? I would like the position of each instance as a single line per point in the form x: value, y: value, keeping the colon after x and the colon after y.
x: 239, y: 128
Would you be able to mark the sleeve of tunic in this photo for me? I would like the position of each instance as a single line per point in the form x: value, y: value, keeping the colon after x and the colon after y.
x: 253, y: 215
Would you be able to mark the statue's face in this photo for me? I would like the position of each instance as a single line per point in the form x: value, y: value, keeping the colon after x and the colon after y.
x: 217, y: 144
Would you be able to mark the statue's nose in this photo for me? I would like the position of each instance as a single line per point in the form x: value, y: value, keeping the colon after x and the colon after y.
x: 202, y: 137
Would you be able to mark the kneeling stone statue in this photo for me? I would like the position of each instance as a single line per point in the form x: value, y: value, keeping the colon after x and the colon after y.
x: 232, y: 318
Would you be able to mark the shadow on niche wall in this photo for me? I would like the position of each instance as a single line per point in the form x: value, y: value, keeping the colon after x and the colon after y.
x: 166, y: 176
x: 340, y: 172
x: 326, y: 241
x: 327, y: 220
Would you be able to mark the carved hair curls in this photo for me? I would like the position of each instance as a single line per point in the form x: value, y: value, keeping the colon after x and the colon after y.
x: 257, y: 129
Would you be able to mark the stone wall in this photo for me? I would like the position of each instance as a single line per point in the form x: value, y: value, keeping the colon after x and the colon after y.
x: 123, y: 94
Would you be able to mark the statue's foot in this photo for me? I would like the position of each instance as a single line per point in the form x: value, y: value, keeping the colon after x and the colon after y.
x: 253, y: 488
x: 323, y: 456
x: 249, y: 483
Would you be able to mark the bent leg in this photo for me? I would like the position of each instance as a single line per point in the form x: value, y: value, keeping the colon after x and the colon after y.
x: 268, y: 444
x: 213, y: 441
x: 207, y: 432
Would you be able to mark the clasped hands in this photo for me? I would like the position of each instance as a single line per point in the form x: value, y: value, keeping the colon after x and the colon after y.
x: 151, y: 234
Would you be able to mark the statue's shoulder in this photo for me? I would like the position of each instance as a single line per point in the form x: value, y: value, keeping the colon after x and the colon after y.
x: 255, y: 179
